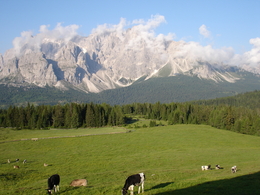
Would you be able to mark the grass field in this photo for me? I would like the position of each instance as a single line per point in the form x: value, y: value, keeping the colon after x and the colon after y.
x: 9, y: 134
x: 170, y: 156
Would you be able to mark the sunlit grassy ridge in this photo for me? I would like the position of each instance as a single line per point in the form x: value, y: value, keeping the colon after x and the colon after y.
x: 170, y: 156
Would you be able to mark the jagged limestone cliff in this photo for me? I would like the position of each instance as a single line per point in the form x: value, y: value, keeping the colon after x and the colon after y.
x: 103, y: 61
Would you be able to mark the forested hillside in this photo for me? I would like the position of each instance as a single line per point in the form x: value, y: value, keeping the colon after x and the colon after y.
x: 20, y: 96
x: 179, y: 88
x: 72, y: 115
x: 249, y: 100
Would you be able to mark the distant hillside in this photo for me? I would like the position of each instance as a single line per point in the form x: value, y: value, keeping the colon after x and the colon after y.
x: 249, y: 100
x: 179, y: 88
x: 37, y: 95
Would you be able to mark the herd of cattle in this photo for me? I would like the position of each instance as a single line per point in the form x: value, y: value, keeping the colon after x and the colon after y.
x: 208, y: 167
x: 130, y: 182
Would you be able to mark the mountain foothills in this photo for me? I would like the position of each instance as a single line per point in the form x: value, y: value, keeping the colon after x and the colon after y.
x: 125, y: 63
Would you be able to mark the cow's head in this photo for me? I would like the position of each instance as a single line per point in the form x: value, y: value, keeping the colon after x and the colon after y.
x: 124, y: 191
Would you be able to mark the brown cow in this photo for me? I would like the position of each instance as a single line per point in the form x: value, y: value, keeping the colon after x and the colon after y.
x: 79, y: 182
x: 16, y: 167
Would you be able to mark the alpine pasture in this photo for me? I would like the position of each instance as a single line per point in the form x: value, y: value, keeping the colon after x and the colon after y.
x: 170, y: 156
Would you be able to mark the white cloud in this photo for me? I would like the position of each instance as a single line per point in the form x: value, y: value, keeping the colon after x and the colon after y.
x: 142, y: 25
x: 204, y: 31
x: 195, y: 51
x: 252, y: 57
x: 19, y: 42
x: 226, y: 55
x: 152, y: 23
x: 58, y: 33
x: 109, y: 28
x: 143, y: 33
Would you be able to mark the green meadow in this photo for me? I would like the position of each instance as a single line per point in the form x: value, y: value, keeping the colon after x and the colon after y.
x: 170, y: 156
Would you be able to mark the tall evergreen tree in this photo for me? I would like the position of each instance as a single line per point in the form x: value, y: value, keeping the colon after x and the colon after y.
x: 75, y: 123
x: 58, y: 116
x: 90, y: 116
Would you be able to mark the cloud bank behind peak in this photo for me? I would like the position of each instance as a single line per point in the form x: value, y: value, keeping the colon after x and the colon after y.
x: 145, y: 32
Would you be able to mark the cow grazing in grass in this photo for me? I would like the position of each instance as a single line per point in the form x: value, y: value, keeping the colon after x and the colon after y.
x: 24, y: 161
x: 53, y: 183
x: 205, y: 167
x: 234, y: 169
x: 8, y: 160
x: 134, y: 180
x: 218, y: 167
x: 16, y: 167
x: 46, y: 165
x: 79, y: 182
x: 17, y: 160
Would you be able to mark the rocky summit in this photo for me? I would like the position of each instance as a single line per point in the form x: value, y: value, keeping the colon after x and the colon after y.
x: 105, y: 60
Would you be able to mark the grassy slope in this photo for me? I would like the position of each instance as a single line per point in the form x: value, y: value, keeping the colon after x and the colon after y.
x: 9, y: 135
x: 170, y: 156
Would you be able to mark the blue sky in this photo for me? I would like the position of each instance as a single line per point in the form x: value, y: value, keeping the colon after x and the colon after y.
x: 219, y: 23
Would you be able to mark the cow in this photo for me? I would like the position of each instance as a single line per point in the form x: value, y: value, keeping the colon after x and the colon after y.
x: 134, y: 180
x: 53, y: 183
x: 79, y: 182
x: 218, y: 167
x: 46, y: 165
x: 17, y: 160
x: 16, y: 167
x: 205, y: 167
x: 24, y: 161
x: 8, y: 160
x: 234, y: 169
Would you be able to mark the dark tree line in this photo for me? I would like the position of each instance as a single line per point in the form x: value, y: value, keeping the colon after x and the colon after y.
x: 238, y: 119
x: 62, y: 116
x: 73, y: 115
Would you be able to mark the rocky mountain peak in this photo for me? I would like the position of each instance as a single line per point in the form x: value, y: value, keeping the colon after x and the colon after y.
x: 104, y: 60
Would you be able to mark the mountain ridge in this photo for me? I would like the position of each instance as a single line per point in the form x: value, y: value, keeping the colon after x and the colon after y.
x: 105, y: 61
x: 117, y: 67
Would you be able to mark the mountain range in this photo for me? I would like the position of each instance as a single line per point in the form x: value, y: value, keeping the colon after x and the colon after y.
x: 122, y: 60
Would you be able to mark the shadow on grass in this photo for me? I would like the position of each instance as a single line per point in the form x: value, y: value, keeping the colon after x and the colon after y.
x: 131, y: 120
x: 242, y: 185
x: 162, y: 185
x: 8, y: 176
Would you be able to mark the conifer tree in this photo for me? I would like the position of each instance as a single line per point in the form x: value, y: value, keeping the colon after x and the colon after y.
x: 58, y: 116
x: 90, y: 116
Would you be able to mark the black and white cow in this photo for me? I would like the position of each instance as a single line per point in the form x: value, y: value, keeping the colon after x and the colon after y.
x: 134, y: 180
x: 53, y: 183
x: 218, y: 167
x: 234, y: 169
x: 205, y: 167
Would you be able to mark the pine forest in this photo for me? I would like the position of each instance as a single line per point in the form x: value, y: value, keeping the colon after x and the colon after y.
x: 241, y: 119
